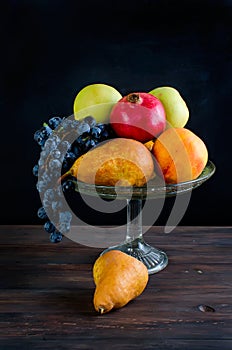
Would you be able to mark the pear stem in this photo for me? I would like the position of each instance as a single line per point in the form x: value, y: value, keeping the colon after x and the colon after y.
x: 101, y: 310
x: 62, y: 177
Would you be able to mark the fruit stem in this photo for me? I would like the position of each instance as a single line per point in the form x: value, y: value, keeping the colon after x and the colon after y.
x: 62, y: 177
x: 101, y: 310
x: 133, y: 98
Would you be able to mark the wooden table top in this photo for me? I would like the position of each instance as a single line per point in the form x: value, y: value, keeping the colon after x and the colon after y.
x: 46, y: 293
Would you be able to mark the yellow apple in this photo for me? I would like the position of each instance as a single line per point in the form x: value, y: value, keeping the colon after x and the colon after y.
x: 177, y: 112
x: 96, y: 100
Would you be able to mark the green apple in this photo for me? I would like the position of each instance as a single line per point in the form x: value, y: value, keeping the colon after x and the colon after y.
x: 96, y: 100
x: 177, y: 112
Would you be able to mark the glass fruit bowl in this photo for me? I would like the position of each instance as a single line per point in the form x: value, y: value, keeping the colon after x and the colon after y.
x: 63, y: 140
x: 134, y: 243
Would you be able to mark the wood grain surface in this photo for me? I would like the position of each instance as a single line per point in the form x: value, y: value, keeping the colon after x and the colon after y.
x: 46, y: 293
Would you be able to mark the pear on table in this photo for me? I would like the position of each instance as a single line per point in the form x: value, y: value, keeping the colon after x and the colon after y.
x: 119, y: 278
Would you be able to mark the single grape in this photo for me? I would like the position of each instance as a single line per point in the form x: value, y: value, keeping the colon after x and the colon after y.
x: 55, y: 175
x: 68, y: 186
x: 41, y: 213
x: 64, y: 146
x: 46, y: 177
x: 54, y: 122
x: 41, y: 162
x: 76, y: 149
x: 49, y: 194
x: 44, y: 153
x: 105, y: 135
x: 42, y: 135
x: 64, y: 227
x: 85, y: 143
x: 54, y: 164
x: 49, y: 227
x: 83, y: 128
x: 68, y: 161
x: 65, y: 216
x: 46, y: 203
x: 56, y: 153
x: 70, y: 156
x: 90, y: 143
x: 35, y: 170
x: 50, y: 145
x: 37, y: 135
x: 67, y: 124
x: 56, y: 138
x: 107, y: 132
x: 56, y: 205
x: 56, y: 237
x: 80, y: 141
x: 41, y: 186
x: 59, y: 191
x: 39, y: 138
x: 75, y: 124
x: 102, y: 126
x: 90, y: 120
x: 95, y: 132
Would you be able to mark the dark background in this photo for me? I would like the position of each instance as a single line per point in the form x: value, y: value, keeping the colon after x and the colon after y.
x: 52, y: 49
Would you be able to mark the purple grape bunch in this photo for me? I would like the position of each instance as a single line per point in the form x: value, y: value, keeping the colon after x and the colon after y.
x: 62, y: 140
